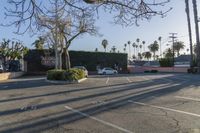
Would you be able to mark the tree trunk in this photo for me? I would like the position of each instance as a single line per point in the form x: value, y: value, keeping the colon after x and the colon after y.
x: 60, y: 60
x: 197, y: 33
x: 189, y: 31
x: 67, y: 61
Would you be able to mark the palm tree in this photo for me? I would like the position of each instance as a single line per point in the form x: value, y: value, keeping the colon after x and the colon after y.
x: 143, y: 42
x: 140, y: 47
x: 134, y: 45
x: 197, y: 31
x: 129, y: 43
x: 178, y: 46
x: 39, y: 43
x: 124, y: 50
x: 113, y: 49
x: 153, y: 48
x: 104, y: 43
x: 187, y: 10
x: 160, y: 39
x: 139, y: 56
x: 125, y: 45
x: 147, y: 55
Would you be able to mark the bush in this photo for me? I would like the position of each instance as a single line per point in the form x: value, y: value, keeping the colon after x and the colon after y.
x: 146, y: 71
x: 166, y: 62
x: 71, y: 75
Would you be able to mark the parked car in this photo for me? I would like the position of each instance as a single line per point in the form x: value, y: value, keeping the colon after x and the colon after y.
x: 107, y: 70
x: 82, y: 68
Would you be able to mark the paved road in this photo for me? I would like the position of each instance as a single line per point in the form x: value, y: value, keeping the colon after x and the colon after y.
x: 143, y: 103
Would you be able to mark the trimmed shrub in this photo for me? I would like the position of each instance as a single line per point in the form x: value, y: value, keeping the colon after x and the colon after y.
x: 70, y: 75
x: 55, y: 74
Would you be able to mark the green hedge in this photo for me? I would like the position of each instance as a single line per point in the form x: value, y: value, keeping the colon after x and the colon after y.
x: 71, y: 75
x: 78, y: 58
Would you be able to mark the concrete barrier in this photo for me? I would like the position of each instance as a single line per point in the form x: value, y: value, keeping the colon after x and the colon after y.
x: 10, y: 75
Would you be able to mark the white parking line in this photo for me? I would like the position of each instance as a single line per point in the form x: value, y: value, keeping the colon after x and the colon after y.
x: 107, y: 80
x: 128, y: 80
x: 188, y: 98
x: 164, y: 108
x: 96, y: 119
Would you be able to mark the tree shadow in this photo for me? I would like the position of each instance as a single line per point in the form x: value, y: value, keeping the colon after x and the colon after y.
x: 52, y: 121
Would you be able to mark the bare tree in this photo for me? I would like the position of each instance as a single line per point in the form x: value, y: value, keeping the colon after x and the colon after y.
x: 125, y: 12
x: 33, y: 15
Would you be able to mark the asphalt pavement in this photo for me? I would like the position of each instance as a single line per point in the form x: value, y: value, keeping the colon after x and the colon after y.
x: 132, y: 103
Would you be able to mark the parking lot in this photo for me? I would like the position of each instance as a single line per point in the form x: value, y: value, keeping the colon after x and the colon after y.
x: 140, y: 103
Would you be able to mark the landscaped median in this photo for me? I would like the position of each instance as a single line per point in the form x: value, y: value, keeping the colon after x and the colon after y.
x: 72, y: 75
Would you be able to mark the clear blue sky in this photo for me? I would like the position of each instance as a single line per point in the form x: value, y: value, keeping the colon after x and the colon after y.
x: 117, y: 35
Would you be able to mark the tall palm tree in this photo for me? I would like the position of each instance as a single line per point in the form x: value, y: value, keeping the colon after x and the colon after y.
x: 129, y: 43
x: 113, y: 49
x: 197, y: 31
x: 160, y: 39
x: 178, y: 46
x: 139, y: 56
x: 187, y: 10
x: 104, y: 43
x: 143, y: 42
x: 140, y: 46
x: 124, y: 50
x: 153, y: 48
x: 134, y: 45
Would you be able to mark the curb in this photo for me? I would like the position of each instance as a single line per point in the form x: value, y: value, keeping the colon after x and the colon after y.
x: 65, y: 82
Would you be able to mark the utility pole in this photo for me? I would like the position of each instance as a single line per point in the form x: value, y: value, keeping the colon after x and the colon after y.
x: 197, y: 32
x: 173, y: 37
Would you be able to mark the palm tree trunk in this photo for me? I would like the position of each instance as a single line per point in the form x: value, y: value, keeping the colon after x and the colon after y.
x: 197, y: 32
x: 189, y: 31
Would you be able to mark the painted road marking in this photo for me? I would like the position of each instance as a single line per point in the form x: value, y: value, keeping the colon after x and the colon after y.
x: 188, y: 98
x: 107, y: 80
x: 99, y: 120
x: 164, y: 108
x: 128, y: 80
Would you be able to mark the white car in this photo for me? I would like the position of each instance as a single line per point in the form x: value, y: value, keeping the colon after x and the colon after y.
x: 82, y: 68
x: 107, y: 70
